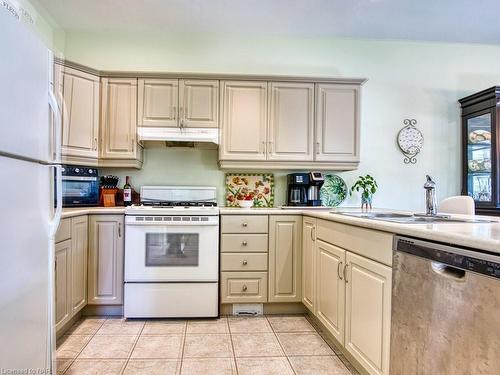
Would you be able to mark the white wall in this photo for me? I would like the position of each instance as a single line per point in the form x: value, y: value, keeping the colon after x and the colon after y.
x: 405, y: 80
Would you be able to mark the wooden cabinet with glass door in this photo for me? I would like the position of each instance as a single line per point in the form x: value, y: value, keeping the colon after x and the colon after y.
x: 480, y: 130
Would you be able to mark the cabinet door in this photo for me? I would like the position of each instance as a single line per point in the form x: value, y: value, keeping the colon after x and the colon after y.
x: 63, y: 282
x: 158, y: 102
x: 105, y: 285
x: 199, y: 103
x: 308, y: 263
x: 244, y: 120
x: 79, y: 252
x: 368, y: 312
x: 79, y: 100
x: 119, y: 118
x: 330, y: 298
x: 291, y: 121
x: 337, y: 123
x: 285, y: 254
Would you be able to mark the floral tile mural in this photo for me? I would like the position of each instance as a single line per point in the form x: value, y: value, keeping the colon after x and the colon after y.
x: 259, y: 186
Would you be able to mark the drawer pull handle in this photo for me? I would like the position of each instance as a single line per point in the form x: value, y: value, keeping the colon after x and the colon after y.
x: 244, y: 262
x: 244, y: 243
x: 245, y: 224
x: 244, y: 288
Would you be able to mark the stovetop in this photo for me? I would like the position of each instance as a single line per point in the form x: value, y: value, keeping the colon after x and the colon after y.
x: 176, y: 200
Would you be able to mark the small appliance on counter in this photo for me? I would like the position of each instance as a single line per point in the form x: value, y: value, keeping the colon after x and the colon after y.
x: 80, y: 186
x: 303, y: 189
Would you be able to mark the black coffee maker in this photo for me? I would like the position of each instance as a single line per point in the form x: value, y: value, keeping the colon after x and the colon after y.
x: 303, y: 189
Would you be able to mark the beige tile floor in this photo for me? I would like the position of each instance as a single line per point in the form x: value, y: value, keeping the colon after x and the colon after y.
x: 265, y: 345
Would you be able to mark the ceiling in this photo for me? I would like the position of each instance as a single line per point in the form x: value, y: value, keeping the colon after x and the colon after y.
x: 425, y: 20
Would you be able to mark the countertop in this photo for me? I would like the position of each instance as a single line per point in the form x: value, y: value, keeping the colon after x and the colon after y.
x: 78, y: 211
x: 481, y: 236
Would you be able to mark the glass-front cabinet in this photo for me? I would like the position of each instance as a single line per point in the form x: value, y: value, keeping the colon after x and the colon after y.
x: 480, y: 129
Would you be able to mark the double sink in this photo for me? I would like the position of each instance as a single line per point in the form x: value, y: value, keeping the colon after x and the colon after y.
x: 409, y: 218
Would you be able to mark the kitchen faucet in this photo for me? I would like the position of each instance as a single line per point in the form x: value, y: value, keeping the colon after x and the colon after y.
x: 430, y: 197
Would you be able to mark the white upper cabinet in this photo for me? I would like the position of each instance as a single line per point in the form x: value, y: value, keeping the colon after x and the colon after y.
x: 78, y: 95
x: 172, y: 103
x: 337, y: 123
x: 199, y: 103
x: 291, y: 121
x: 119, y: 118
x: 158, y: 103
x: 244, y: 120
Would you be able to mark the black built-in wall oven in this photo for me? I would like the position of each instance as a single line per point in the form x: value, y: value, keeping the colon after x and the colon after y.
x: 80, y: 186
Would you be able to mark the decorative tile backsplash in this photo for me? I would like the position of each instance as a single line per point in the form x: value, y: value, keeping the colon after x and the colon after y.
x: 260, y: 186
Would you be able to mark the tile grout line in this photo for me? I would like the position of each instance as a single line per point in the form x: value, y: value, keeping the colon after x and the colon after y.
x: 281, y: 346
x: 132, y: 350
x: 349, y: 367
x: 181, y: 358
x: 84, y: 346
x: 232, y: 345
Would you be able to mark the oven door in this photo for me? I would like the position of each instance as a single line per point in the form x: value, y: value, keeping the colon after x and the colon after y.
x: 173, y: 252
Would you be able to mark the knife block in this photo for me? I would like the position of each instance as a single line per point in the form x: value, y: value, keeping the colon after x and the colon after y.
x: 108, y: 197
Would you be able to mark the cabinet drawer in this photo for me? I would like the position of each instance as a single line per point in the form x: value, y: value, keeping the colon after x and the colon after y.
x: 244, y: 224
x: 244, y: 262
x: 243, y: 287
x: 248, y: 243
x: 64, y: 230
x: 372, y: 244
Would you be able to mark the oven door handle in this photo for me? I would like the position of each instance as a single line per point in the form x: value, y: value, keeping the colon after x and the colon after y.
x: 171, y: 223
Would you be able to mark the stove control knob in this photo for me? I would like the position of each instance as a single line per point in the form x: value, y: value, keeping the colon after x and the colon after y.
x: 77, y: 170
x: 91, y: 171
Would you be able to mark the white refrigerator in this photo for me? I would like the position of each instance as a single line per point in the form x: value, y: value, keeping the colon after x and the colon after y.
x: 30, y: 215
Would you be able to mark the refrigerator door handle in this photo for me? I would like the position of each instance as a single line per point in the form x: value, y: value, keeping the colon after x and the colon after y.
x: 54, y: 223
x: 58, y: 127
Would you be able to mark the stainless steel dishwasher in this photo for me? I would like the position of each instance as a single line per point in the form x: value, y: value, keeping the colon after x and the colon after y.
x: 445, y: 310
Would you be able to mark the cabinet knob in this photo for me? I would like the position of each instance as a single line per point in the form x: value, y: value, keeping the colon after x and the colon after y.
x: 245, y: 224
x: 244, y: 243
x: 244, y: 262
x: 244, y: 288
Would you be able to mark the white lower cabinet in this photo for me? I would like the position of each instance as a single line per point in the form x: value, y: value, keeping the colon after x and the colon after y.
x: 308, y: 263
x: 350, y: 294
x: 285, y: 255
x: 71, y: 269
x: 106, y: 250
x: 62, y: 283
x: 368, y: 312
x: 79, y: 251
x: 330, y: 285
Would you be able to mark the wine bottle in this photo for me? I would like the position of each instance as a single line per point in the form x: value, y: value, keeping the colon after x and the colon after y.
x: 127, y: 192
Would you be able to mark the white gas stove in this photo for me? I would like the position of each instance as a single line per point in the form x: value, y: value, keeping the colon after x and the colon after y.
x: 172, y: 253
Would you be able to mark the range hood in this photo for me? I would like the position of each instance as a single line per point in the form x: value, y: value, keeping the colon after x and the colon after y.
x: 179, y: 134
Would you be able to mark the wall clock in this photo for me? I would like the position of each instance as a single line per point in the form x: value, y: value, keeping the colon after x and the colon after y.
x: 410, y: 141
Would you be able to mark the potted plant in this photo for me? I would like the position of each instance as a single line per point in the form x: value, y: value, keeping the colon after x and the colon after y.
x: 368, y: 185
